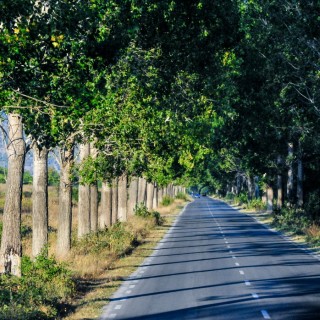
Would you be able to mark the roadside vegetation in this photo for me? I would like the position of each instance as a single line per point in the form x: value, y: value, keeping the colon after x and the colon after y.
x: 52, y: 289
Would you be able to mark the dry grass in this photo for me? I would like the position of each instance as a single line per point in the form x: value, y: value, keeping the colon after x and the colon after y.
x: 99, y: 286
x: 98, y: 274
x: 313, y: 231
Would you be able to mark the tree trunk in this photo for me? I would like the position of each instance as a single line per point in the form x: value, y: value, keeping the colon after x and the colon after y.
x: 160, y: 195
x: 142, y: 191
x: 65, y: 202
x: 300, y: 183
x: 94, y: 202
x: 155, y: 197
x: 122, y: 198
x: 250, y: 187
x: 10, y: 253
x: 106, y: 206
x: 84, y: 205
x: 133, y: 195
x: 269, y: 199
x: 39, y: 199
x: 94, y: 195
x: 279, y: 184
x: 256, y: 187
x: 115, y: 200
x: 150, y: 191
x: 290, y: 172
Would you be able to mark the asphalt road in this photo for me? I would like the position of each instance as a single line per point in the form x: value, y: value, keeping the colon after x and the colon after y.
x: 216, y: 263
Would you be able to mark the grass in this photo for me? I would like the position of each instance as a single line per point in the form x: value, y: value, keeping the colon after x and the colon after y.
x: 108, y: 274
x: 99, y: 262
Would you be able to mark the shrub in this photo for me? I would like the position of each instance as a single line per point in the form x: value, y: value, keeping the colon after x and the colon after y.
x: 182, y: 196
x: 44, y: 285
x: 257, y: 204
x: 230, y: 196
x: 142, y: 211
x: 291, y: 219
x: 166, y: 201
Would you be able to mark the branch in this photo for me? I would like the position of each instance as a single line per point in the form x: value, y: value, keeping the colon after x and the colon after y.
x: 37, y: 100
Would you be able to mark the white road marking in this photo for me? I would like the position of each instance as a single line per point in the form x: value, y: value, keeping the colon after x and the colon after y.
x: 113, y: 315
x: 118, y: 307
x: 230, y: 251
x: 241, y: 272
x: 128, y: 291
x: 265, y: 314
x: 227, y: 241
x: 237, y: 264
x: 132, y: 286
x: 247, y: 283
x: 254, y: 295
x: 141, y: 271
x: 228, y: 247
x: 233, y: 257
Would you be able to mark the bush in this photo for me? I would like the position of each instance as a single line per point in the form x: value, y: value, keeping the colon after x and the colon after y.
x: 257, y: 204
x: 27, y: 177
x: 44, y: 285
x: 242, y: 198
x: 142, y: 211
x: 166, y: 201
x: 182, y: 196
x: 230, y: 196
x: 53, y: 177
x: 291, y: 219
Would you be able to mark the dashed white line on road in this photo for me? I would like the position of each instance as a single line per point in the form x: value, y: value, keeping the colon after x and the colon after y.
x: 254, y: 295
x: 113, y: 315
x: 233, y: 257
x: 247, y: 283
x: 128, y: 291
x: 237, y: 264
x: 265, y: 314
x: 118, y: 307
x: 132, y: 286
x: 227, y: 241
x: 241, y: 272
x: 228, y: 247
x: 230, y: 251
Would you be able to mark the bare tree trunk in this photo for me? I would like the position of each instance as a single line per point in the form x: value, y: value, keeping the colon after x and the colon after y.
x: 155, y: 197
x: 94, y: 195
x: 39, y: 199
x: 279, y: 184
x: 10, y: 252
x: 122, y: 198
x: 142, y: 191
x: 160, y: 195
x: 133, y: 195
x: 269, y: 199
x: 84, y: 205
x: 150, y: 191
x: 250, y: 187
x: 114, y: 200
x: 65, y: 202
x: 106, y: 206
x: 290, y: 172
x: 256, y: 187
x: 94, y: 202
x: 300, y: 183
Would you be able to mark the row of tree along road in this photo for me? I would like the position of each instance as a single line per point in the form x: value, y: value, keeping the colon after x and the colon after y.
x: 179, y: 93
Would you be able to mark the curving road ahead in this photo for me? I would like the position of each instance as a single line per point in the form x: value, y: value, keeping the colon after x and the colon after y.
x: 216, y: 263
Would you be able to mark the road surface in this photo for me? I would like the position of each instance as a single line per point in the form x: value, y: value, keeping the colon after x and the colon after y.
x: 217, y: 263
